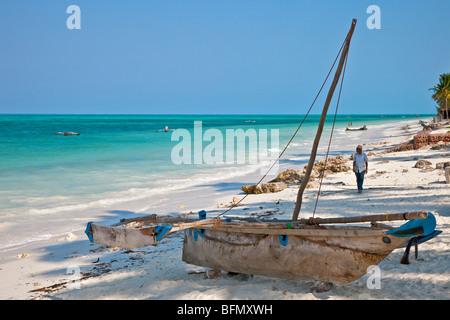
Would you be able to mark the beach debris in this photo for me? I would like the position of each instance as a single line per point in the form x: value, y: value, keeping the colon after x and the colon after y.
x: 235, y: 201
x: 406, y: 127
x: 222, y: 205
x: 333, y: 165
x: 240, y: 276
x: 134, y: 224
x: 289, y: 176
x: 52, y: 288
x: 377, y: 174
x: 422, y: 164
x: 313, y: 184
x: 23, y: 255
x: 212, y: 273
x: 208, y: 274
x: 99, y: 249
x: 321, y: 286
x: 71, y: 237
x: 270, y: 187
x: 440, y: 147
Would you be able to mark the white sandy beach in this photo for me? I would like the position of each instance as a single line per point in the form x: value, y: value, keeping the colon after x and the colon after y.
x: 392, y: 185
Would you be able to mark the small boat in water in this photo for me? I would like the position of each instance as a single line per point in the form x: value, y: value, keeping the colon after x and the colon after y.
x: 67, y: 133
x: 358, y: 129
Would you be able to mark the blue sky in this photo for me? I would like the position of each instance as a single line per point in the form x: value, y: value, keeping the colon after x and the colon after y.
x: 218, y: 56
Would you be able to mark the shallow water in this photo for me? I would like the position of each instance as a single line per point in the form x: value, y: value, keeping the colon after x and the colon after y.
x: 48, y: 181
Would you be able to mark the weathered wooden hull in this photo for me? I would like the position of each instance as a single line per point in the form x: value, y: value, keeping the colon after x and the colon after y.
x: 123, y: 237
x: 338, y: 255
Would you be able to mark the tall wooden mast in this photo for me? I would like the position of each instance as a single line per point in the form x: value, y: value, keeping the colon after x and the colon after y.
x: 322, y: 121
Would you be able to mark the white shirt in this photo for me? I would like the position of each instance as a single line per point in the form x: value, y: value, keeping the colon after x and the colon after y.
x: 360, y: 161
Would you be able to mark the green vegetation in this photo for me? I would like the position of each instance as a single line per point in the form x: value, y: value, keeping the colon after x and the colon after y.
x: 442, y: 93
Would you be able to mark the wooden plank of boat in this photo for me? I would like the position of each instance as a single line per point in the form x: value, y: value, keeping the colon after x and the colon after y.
x: 369, y: 218
x: 137, y: 236
x: 126, y: 237
x: 152, y: 219
x: 129, y: 238
x: 337, y: 254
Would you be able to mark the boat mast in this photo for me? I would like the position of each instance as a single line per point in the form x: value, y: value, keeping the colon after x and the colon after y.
x: 312, y: 158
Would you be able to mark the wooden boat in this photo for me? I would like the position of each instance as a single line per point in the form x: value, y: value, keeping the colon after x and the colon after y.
x: 328, y: 250
x: 305, y: 249
x: 332, y: 254
x: 357, y: 129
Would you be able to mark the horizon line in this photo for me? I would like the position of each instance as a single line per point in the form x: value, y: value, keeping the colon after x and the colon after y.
x: 211, y: 114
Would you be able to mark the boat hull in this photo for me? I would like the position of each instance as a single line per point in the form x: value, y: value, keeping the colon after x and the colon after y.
x: 338, y: 256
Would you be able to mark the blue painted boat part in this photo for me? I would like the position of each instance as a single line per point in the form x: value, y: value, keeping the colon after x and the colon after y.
x: 161, y: 231
x: 195, y: 235
x: 416, y: 227
x: 202, y: 214
x: 283, y: 239
x: 422, y: 239
x: 89, y: 232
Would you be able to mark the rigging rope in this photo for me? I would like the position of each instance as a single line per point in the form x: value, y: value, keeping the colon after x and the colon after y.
x: 295, y: 133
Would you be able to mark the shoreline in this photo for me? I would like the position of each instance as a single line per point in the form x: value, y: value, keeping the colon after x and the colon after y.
x: 117, y: 274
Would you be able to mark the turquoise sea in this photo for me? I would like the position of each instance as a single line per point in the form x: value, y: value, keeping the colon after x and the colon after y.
x: 120, y: 158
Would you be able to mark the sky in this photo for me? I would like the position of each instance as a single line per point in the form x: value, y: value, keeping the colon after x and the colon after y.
x: 218, y: 56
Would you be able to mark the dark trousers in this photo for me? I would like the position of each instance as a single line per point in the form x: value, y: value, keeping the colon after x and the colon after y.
x: 360, y: 179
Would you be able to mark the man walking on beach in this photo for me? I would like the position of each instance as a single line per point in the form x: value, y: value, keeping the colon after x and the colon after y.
x: 360, y: 166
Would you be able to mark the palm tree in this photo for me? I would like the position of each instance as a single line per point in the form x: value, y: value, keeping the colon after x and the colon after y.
x: 442, y: 92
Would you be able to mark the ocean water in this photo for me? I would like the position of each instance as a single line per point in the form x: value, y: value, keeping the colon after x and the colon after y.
x: 49, y: 180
